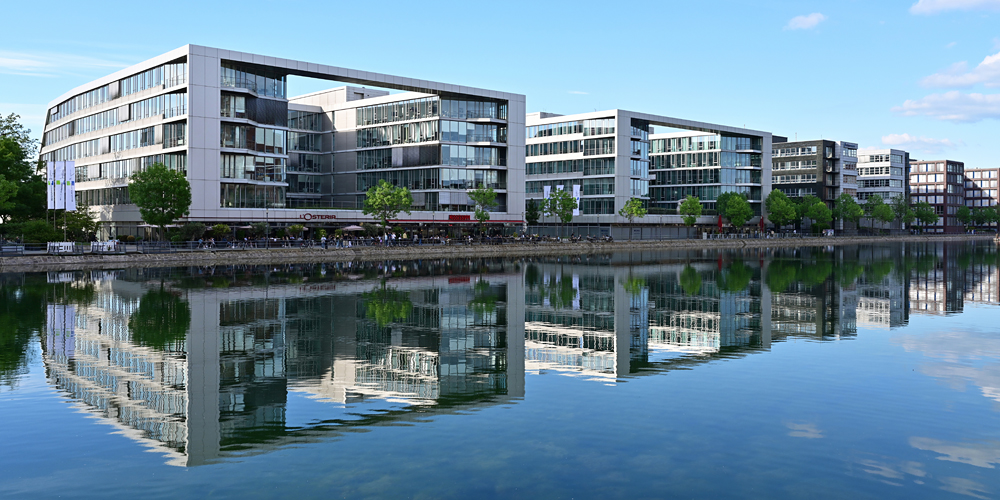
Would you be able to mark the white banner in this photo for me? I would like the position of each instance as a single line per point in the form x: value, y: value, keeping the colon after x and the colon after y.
x: 546, y: 192
x: 576, y: 194
x: 60, y: 187
x: 71, y: 186
x: 50, y: 184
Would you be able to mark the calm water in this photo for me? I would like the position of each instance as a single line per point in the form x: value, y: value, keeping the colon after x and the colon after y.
x: 849, y: 372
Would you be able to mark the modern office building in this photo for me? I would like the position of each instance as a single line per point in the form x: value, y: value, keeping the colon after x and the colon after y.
x: 981, y: 187
x: 607, y: 157
x: 941, y: 183
x: 254, y: 154
x: 824, y: 169
x: 882, y: 172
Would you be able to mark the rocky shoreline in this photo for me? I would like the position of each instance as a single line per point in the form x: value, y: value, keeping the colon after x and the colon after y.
x: 315, y: 255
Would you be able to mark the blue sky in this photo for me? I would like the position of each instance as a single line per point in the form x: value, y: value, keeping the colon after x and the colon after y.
x: 921, y: 75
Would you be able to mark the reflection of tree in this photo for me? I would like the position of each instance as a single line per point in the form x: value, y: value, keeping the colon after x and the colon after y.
x: 877, y: 271
x: 633, y: 285
x: 690, y: 281
x: 816, y: 272
x: 736, y: 277
x: 385, y: 304
x: 22, y: 315
x: 161, y: 320
x: 848, y: 271
x: 484, y: 301
x: 561, y: 293
x: 781, y: 274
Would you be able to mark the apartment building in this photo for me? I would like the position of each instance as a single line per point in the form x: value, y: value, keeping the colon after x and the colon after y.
x: 825, y: 169
x: 981, y: 187
x: 941, y: 183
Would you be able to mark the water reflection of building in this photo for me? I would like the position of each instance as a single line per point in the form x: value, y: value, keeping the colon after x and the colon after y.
x: 936, y: 281
x: 882, y: 295
x: 223, y: 388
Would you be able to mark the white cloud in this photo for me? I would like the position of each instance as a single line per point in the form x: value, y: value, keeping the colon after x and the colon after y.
x: 578, y: 92
x: 980, y: 454
x: 959, y: 76
x: 804, y: 430
x: 953, y: 106
x: 927, y: 7
x: 923, y: 144
x: 51, y: 64
x: 951, y: 45
x: 805, y: 22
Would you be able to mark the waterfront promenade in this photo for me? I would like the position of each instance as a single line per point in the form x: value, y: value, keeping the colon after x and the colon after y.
x: 207, y: 257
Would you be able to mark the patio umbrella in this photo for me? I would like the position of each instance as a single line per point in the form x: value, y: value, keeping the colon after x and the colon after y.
x: 354, y: 228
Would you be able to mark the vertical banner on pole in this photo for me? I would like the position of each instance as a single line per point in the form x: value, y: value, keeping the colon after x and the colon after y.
x: 546, y: 191
x: 71, y: 186
x: 50, y: 184
x: 576, y: 194
x: 60, y: 187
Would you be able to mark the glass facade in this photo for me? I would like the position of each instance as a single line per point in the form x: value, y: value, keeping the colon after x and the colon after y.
x: 301, y: 141
x: 167, y: 75
x: 254, y: 168
x: 260, y: 139
x: 435, y: 178
x: 260, y: 80
x: 305, y: 120
x: 413, y: 109
x: 405, y: 133
x: 592, y: 166
x: 252, y: 196
x: 133, y: 139
x: 174, y: 134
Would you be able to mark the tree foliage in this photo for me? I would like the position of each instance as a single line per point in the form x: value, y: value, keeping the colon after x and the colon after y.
x: 386, y: 304
x: 385, y: 201
x: 162, y: 195
x: 735, y: 208
x: 633, y: 209
x: 690, y: 280
x: 901, y: 209
x: 11, y: 127
x: 925, y: 213
x: 221, y: 230
x: 847, y: 210
x: 816, y: 210
x: 690, y: 210
x: 531, y: 212
x: 780, y: 209
x: 484, y: 199
x: 964, y: 215
x: 560, y: 204
x: 28, y: 200
x: 161, y: 321
x: 295, y: 230
x: 193, y: 231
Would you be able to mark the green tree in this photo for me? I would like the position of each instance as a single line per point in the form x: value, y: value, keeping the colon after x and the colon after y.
x: 193, y: 231
x: 29, y: 200
x: 847, y: 210
x: 295, y: 230
x: 385, y: 201
x: 632, y: 210
x: 531, y: 212
x: 38, y: 231
x: 162, y: 195
x: 884, y: 214
x: 561, y: 204
x: 259, y: 229
x: 221, y: 230
x: 872, y: 204
x: 690, y: 209
x: 964, y: 215
x: 484, y: 199
x: 161, y: 320
x: 78, y: 225
x: 925, y: 214
x: 901, y: 209
x: 735, y: 208
x: 11, y: 127
x: 983, y: 216
x: 780, y: 210
x: 816, y: 210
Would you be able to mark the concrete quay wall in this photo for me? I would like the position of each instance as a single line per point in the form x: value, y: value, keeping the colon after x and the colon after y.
x: 31, y: 263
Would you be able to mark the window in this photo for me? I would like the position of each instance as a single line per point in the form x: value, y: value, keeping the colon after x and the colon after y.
x: 174, y: 134
x: 262, y: 81
x: 305, y: 120
x: 599, y: 146
x: 252, y: 196
x: 552, y: 148
x: 413, y: 109
x: 133, y: 139
x: 551, y: 129
x: 260, y: 139
x: 679, y: 144
x: 255, y: 168
x: 167, y: 75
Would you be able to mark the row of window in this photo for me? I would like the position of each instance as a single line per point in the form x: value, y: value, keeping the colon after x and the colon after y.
x: 981, y: 174
x: 122, y: 169
x: 639, y: 168
x: 304, y: 162
x: 308, y: 184
x: 302, y: 141
x: 797, y: 192
x: 305, y: 120
x: 435, y: 178
x: 980, y: 184
x: 167, y: 75
x: 704, y: 193
x: 695, y: 176
x: 174, y: 134
x: 639, y: 188
x: 980, y: 193
x: 255, y: 168
x: 600, y: 126
x: 260, y: 139
x: 793, y: 179
x: 104, y: 196
x: 892, y: 158
x: 405, y: 133
x: 80, y: 102
x: 251, y: 196
x: 260, y: 80
x: 685, y: 160
x: 794, y: 165
x: 681, y: 144
x: 461, y: 156
x: 894, y: 171
x: 133, y: 139
x: 452, y: 131
x: 798, y: 151
x: 169, y: 105
x: 592, y: 166
x: 981, y: 203
x: 589, y: 187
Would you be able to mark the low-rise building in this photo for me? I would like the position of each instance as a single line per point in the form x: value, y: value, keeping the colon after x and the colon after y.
x: 941, y: 183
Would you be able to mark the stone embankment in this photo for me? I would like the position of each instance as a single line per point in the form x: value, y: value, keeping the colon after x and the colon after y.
x: 315, y: 255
